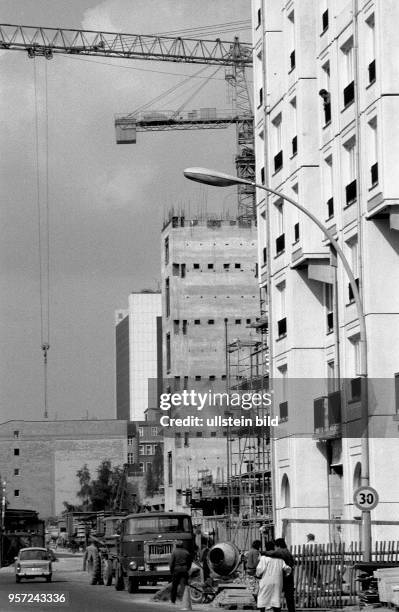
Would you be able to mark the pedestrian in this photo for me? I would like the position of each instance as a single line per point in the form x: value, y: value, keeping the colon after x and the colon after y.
x: 281, y: 552
x: 203, y: 559
x: 314, y: 574
x: 179, y: 565
x: 253, y: 557
x: 270, y: 571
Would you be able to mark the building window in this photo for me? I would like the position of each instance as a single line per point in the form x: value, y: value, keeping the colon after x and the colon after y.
x: 16, y: 434
x: 148, y: 466
x: 373, y: 151
x: 167, y: 296
x: 350, y: 171
x: 212, y: 377
x: 176, y: 326
x: 283, y: 405
x: 170, y: 468
x: 328, y: 186
x: 210, y: 266
x: 148, y: 449
x: 197, y: 321
x: 176, y: 269
x: 183, y: 270
x: 238, y: 321
x: 16, y: 472
x: 154, y: 431
x: 168, y: 353
x: 325, y: 92
x: 141, y: 467
x: 16, y: 452
x: 281, y: 310
x: 264, y: 256
x: 331, y: 385
x: 141, y: 449
x: 166, y: 250
x: 196, y: 266
x: 348, y: 72
x: 291, y: 34
x: 141, y: 432
x: 259, y: 16
x: 260, y: 97
x: 324, y: 21
x: 248, y: 321
x: 370, y: 48
x: 353, y: 246
x: 262, y: 175
x: 237, y: 266
x: 329, y: 303
x: 184, y: 327
x: 198, y: 377
x: 226, y: 266
x: 277, y: 132
x: 130, y: 440
x: 186, y: 439
x: 211, y: 321
x: 198, y: 434
x: 280, y: 240
x: 130, y: 458
x: 16, y: 492
x: 296, y: 232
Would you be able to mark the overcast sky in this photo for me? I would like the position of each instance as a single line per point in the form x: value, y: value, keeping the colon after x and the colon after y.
x: 106, y: 202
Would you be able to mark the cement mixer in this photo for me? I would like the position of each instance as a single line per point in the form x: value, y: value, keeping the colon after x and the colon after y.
x: 223, y: 561
x: 224, y: 558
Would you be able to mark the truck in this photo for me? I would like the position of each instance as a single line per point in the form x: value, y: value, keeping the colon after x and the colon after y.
x: 139, y: 549
x: 22, y: 529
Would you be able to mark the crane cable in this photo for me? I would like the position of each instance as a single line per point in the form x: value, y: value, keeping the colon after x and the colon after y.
x: 43, y: 244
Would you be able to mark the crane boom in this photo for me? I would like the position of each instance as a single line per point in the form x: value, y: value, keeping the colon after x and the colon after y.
x: 47, y: 41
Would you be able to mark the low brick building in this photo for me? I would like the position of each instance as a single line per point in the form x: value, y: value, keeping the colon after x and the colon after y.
x: 39, y: 459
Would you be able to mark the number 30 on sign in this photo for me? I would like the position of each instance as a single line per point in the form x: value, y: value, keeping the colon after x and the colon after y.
x: 365, y: 498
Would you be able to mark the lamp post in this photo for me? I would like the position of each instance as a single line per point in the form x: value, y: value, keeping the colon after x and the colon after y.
x: 220, y: 179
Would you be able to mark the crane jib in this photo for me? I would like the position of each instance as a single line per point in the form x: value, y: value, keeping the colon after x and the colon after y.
x: 47, y: 41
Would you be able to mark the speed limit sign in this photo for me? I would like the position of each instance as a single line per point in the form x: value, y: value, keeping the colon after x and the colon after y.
x: 365, y: 498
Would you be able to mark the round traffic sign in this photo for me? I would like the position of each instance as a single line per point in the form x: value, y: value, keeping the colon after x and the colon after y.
x: 365, y: 498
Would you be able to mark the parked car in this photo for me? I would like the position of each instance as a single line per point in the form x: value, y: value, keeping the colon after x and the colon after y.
x: 33, y: 563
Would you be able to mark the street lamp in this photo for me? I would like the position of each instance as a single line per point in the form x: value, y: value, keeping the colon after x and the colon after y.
x: 220, y: 179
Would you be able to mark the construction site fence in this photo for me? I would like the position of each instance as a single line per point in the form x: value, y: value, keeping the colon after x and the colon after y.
x: 325, y: 576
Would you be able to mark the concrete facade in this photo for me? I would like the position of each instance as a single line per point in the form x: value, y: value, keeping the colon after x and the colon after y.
x: 39, y: 459
x: 327, y: 97
x: 138, y: 355
x: 208, y: 275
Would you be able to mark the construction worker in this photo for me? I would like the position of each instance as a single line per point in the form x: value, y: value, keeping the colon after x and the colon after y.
x: 179, y: 565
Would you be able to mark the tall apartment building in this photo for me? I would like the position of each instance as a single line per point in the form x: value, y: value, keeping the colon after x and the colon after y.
x: 138, y: 355
x: 208, y: 276
x: 326, y: 77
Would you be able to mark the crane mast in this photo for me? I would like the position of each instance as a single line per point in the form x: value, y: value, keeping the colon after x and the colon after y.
x: 45, y: 42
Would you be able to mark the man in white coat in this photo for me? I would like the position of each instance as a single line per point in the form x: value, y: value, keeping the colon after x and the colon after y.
x: 270, y: 571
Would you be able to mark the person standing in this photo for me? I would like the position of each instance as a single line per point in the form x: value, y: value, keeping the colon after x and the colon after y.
x: 179, y: 565
x: 253, y: 557
x: 270, y: 571
x: 281, y: 552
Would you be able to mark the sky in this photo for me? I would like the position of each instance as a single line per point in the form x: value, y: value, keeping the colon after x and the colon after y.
x: 105, y: 203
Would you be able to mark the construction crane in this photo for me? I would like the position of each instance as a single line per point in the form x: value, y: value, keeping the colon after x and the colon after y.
x: 45, y: 42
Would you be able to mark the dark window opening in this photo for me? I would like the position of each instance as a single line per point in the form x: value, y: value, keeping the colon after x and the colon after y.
x: 324, y: 21
x: 330, y: 208
x: 198, y: 434
x: 212, y: 377
x: 210, y: 266
x: 264, y: 256
x: 349, y: 94
x: 176, y: 269
x: 372, y: 72
x: 168, y: 355
x: 211, y: 321
x: 351, y: 192
x: 374, y: 174
x: 294, y: 145
x: 262, y: 175
x: 166, y: 245
x: 350, y: 292
x: 196, y: 266
x: 237, y: 266
x: 167, y: 297
x: 292, y: 60
x: 282, y: 327
x: 186, y: 439
x: 16, y: 492
x: 330, y: 322
x: 16, y: 452
x: 327, y: 112
x: 280, y: 244
x: 248, y: 321
x: 238, y: 321
x: 278, y: 161
x: 355, y: 389
x: 170, y: 468
x: 261, y: 96
x: 183, y: 270
x: 259, y: 17
x: 283, y: 409
x: 296, y: 232
x: 184, y: 327
x: 16, y: 434
x: 176, y: 326
x: 197, y: 321
x: 226, y: 266
x: 198, y: 378
x: 16, y: 472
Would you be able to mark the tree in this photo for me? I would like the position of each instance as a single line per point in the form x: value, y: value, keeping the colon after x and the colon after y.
x: 101, y: 488
x: 84, y: 478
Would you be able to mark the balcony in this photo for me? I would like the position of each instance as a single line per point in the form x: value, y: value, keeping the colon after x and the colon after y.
x: 372, y: 72
x: 278, y: 161
x: 374, y: 174
x: 330, y: 208
x: 349, y: 94
x: 327, y: 416
x: 280, y: 244
x: 351, y: 192
x: 294, y: 146
x: 282, y: 327
x: 292, y: 60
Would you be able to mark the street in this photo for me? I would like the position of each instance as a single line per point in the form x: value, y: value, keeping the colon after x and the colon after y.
x: 70, y: 581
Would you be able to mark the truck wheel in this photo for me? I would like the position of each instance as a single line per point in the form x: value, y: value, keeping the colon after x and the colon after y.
x: 17, y: 579
x: 48, y: 578
x: 132, y: 585
x: 94, y: 567
x: 107, y: 572
x: 119, y: 580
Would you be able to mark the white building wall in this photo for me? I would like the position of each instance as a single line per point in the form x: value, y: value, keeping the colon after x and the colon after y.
x: 322, y: 486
